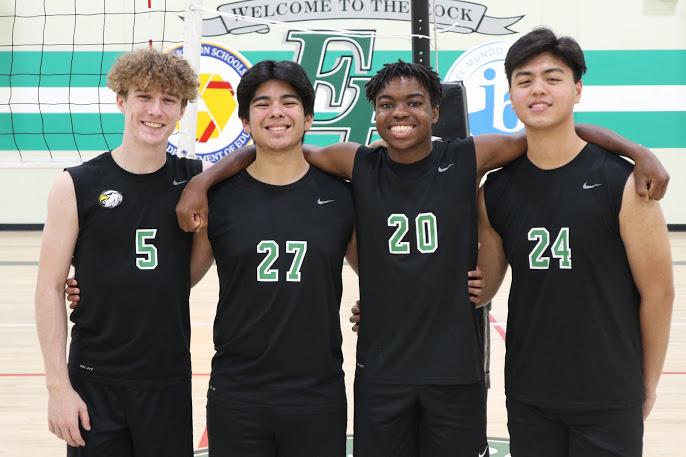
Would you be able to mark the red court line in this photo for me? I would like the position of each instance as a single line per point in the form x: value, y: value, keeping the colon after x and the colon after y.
x: 499, y: 328
x: 37, y: 375
x: 203, y: 441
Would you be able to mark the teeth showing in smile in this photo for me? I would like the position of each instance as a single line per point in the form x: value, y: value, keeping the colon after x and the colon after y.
x: 277, y: 128
x: 154, y: 125
x: 401, y: 128
x: 539, y: 105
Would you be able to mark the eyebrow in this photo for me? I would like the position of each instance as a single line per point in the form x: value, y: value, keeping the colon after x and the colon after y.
x: 545, y: 72
x: 267, y: 98
x: 412, y: 95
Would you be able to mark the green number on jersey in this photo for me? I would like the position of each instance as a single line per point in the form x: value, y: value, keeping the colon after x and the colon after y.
x: 426, y: 231
x: 536, y: 259
x: 395, y: 246
x: 265, y: 272
x: 560, y: 250
x: 145, y: 248
x: 300, y: 249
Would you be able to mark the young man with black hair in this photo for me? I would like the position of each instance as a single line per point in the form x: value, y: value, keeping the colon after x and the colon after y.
x: 419, y: 387
x: 591, y: 295
x: 279, y: 231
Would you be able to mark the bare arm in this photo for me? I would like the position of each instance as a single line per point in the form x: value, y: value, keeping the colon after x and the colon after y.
x: 494, y: 151
x: 65, y: 407
x: 337, y: 159
x: 191, y: 210
x: 492, y: 260
x: 201, y: 256
x: 644, y: 233
x: 351, y: 253
x: 650, y: 177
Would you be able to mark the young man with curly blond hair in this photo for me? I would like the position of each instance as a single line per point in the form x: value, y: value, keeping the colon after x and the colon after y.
x: 125, y: 389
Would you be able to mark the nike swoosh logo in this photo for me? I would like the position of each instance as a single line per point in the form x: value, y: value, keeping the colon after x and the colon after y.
x: 178, y: 183
x: 482, y: 454
x: 590, y: 186
x: 441, y: 169
x: 324, y: 202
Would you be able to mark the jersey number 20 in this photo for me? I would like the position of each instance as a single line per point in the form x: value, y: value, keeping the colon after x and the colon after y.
x: 426, y: 230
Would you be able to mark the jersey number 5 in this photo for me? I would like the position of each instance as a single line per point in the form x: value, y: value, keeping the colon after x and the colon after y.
x: 560, y: 249
x: 426, y: 230
x: 145, y: 248
x: 265, y: 272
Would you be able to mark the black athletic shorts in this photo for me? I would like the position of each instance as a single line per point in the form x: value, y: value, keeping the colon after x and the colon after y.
x: 397, y: 420
x: 242, y: 430
x: 546, y: 432
x: 132, y: 421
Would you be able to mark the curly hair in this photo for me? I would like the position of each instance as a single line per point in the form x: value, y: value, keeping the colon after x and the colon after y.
x: 425, y: 76
x: 149, y: 69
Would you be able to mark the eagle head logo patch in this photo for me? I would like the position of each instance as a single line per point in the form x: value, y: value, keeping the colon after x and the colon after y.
x: 110, y: 198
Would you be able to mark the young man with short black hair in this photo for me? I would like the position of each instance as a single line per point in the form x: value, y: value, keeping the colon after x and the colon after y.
x: 591, y: 294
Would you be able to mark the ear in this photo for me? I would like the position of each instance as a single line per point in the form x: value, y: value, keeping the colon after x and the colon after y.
x: 246, y: 125
x: 308, y: 122
x: 578, y: 87
x: 434, y: 114
x: 120, y: 102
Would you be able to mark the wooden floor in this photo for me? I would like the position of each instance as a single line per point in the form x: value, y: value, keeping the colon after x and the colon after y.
x: 23, y: 398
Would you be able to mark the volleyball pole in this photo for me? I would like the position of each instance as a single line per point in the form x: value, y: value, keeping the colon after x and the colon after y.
x: 191, y: 52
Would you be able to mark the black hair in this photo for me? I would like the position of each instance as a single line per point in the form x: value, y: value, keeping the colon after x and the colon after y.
x: 425, y: 76
x: 269, y: 70
x: 540, y: 41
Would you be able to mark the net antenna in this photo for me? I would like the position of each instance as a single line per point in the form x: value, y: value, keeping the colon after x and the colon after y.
x: 421, y: 40
x: 191, y: 52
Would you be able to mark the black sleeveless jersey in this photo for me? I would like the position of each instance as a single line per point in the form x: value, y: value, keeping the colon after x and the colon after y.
x: 132, y: 262
x: 573, y: 330
x: 416, y: 232
x: 279, y: 253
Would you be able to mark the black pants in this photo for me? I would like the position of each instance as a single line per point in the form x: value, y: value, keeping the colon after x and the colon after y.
x: 135, y: 422
x: 546, y: 432
x: 244, y: 431
x: 395, y: 420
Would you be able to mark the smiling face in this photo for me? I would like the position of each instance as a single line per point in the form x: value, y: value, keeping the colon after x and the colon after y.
x: 543, y: 92
x: 277, y: 120
x: 149, y: 116
x: 404, y: 117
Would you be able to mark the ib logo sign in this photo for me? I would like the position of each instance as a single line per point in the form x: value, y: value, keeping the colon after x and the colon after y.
x: 219, y: 130
x: 482, y: 70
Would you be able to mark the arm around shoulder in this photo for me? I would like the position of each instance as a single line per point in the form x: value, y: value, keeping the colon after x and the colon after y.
x: 494, y: 151
x: 337, y: 159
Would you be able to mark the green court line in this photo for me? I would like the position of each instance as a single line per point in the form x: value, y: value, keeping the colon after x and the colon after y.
x: 89, y: 69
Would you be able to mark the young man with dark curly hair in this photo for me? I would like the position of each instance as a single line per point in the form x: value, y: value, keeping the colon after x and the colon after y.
x: 125, y: 389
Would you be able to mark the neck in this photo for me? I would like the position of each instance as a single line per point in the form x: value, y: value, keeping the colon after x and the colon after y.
x: 140, y: 159
x: 412, y: 155
x: 279, y: 167
x: 553, y: 147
